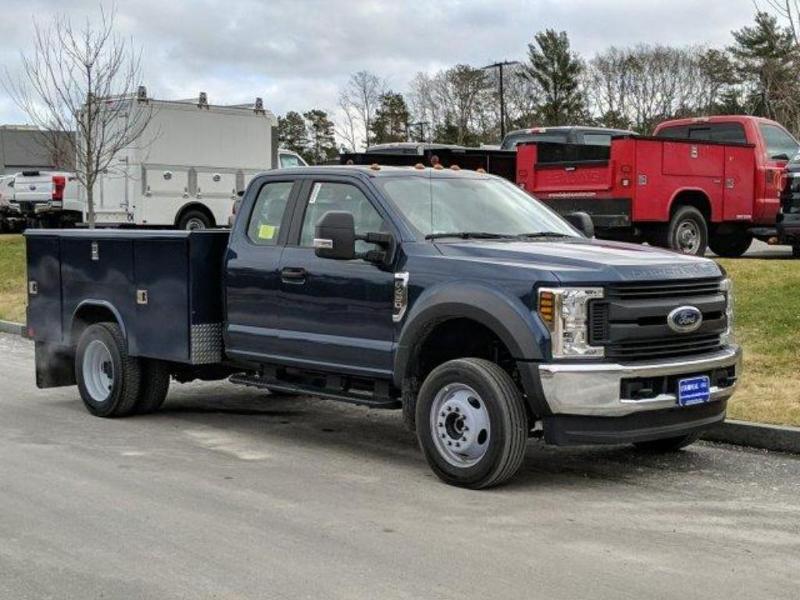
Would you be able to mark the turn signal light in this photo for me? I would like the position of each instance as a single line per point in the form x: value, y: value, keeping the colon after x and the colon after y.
x: 547, y: 303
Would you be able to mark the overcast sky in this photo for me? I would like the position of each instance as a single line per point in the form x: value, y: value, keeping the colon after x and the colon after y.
x: 297, y: 54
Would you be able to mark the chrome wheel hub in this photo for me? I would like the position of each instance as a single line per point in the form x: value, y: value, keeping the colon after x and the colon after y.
x: 688, y: 237
x: 460, y: 425
x: 98, y: 371
x: 195, y: 224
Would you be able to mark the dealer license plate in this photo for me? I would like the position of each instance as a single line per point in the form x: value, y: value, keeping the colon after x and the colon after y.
x: 695, y: 390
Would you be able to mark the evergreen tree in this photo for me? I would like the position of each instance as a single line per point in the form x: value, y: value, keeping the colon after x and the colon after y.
x: 766, y: 61
x: 292, y: 133
x: 391, y: 119
x: 322, y: 144
x: 556, y: 71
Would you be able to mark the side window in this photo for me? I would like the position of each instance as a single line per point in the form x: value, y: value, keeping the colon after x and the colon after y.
x: 778, y: 141
x: 676, y: 132
x: 268, y: 211
x: 597, y: 139
x: 289, y: 160
x: 326, y: 196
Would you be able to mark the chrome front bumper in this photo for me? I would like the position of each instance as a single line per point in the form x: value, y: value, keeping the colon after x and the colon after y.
x: 596, y: 388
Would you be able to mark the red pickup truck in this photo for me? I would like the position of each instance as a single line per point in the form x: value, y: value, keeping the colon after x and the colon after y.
x: 711, y: 181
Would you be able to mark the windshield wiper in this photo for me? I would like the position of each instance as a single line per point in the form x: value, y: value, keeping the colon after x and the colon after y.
x: 467, y: 235
x: 542, y: 234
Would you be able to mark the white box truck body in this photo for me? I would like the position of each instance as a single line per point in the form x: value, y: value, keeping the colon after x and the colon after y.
x: 187, y: 166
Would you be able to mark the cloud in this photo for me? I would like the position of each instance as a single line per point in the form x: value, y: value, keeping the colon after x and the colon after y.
x: 298, y: 54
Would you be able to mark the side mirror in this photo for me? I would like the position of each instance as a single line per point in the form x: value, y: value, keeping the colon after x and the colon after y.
x: 582, y: 222
x: 781, y: 156
x: 335, y: 236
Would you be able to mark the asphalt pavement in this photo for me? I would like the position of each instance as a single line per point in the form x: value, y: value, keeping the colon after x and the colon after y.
x: 231, y: 493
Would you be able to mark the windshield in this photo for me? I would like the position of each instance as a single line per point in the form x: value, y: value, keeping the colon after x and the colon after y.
x: 290, y: 160
x: 483, y: 205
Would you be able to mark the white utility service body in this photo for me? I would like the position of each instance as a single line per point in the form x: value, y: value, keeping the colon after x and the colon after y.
x: 192, y: 157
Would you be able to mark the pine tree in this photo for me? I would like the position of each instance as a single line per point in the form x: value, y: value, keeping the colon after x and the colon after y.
x: 766, y: 61
x: 292, y: 133
x: 556, y: 71
x: 322, y: 143
x: 391, y: 119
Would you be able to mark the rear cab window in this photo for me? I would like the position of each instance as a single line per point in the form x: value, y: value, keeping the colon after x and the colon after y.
x: 268, y: 213
x: 727, y: 133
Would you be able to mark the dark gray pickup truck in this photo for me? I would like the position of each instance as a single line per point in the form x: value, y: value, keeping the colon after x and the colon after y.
x: 450, y: 294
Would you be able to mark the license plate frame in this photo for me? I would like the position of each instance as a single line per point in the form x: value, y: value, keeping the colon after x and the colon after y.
x: 694, y: 390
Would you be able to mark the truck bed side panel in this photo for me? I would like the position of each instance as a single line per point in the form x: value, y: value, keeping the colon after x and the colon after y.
x: 97, y: 271
x: 44, y: 289
x: 162, y: 302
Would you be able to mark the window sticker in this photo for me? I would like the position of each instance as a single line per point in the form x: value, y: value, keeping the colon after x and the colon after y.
x: 314, y: 193
x: 266, y: 232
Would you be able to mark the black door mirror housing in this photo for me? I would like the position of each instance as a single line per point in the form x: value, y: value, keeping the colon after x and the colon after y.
x: 781, y: 156
x: 335, y: 236
x: 582, y: 222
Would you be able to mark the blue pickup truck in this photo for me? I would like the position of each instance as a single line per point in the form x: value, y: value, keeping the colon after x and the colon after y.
x: 449, y: 294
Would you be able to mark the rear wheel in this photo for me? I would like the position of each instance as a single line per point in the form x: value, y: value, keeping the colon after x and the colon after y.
x: 796, y: 251
x: 471, y: 423
x: 108, y: 379
x: 730, y: 245
x: 154, y: 386
x: 194, y: 220
x: 668, y: 445
x: 686, y: 232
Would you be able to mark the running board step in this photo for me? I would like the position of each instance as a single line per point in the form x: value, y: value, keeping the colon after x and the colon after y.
x: 291, y: 388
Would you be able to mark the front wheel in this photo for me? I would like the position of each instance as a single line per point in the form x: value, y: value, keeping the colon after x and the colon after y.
x: 471, y: 423
x: 108, y: 379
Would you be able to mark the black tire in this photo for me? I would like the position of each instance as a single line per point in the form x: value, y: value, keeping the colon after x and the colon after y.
x: 508, y: 424
x: 194, y: 219
x: 672, y: 236
x: 730, y: 245
x: 154, y: 387
x: 668, y: 444
x: 125, y: 379
x: 796, y: 251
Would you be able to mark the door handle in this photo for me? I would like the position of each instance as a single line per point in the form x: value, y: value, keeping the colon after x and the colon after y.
x: 295, y: 275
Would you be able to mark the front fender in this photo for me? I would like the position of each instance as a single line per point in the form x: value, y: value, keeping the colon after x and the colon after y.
x: 505, y: 315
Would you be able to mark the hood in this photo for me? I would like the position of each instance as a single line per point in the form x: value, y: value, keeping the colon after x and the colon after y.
x: 585, y: 261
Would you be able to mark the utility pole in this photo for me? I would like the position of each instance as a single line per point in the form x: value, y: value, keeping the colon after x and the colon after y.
x: 421, y: 125
x: 499, y: 65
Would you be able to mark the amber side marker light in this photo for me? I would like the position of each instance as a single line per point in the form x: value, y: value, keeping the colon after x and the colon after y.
x: 547, y: 307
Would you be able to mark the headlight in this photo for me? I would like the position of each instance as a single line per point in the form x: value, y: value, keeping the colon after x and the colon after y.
x: 565, y: 311
x: 728, y: 338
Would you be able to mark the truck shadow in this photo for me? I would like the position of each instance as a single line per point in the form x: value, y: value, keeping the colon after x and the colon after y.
x: 353, y: 431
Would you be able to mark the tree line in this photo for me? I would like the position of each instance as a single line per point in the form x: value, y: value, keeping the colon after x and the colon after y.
x: 622, y: 87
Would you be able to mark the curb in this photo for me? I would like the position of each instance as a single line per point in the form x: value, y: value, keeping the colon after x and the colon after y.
x: 13, y: 328
x: 781, y: 438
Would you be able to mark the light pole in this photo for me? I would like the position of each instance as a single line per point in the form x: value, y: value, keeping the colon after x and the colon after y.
x: 499, y: 65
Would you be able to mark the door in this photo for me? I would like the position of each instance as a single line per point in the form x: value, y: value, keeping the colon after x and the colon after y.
x: 335, y: 314
x: 252, y: 280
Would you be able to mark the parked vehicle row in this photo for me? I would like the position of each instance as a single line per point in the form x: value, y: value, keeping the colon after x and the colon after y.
x: 696, y: 183
x: 450, y: 294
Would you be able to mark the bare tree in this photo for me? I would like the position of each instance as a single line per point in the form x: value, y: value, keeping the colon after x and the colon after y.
x: 83, y: 79
x: 361, y: 97
x: 347, y: 131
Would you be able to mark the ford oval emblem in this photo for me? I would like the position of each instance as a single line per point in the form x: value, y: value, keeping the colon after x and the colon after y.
x: 685, y: 319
